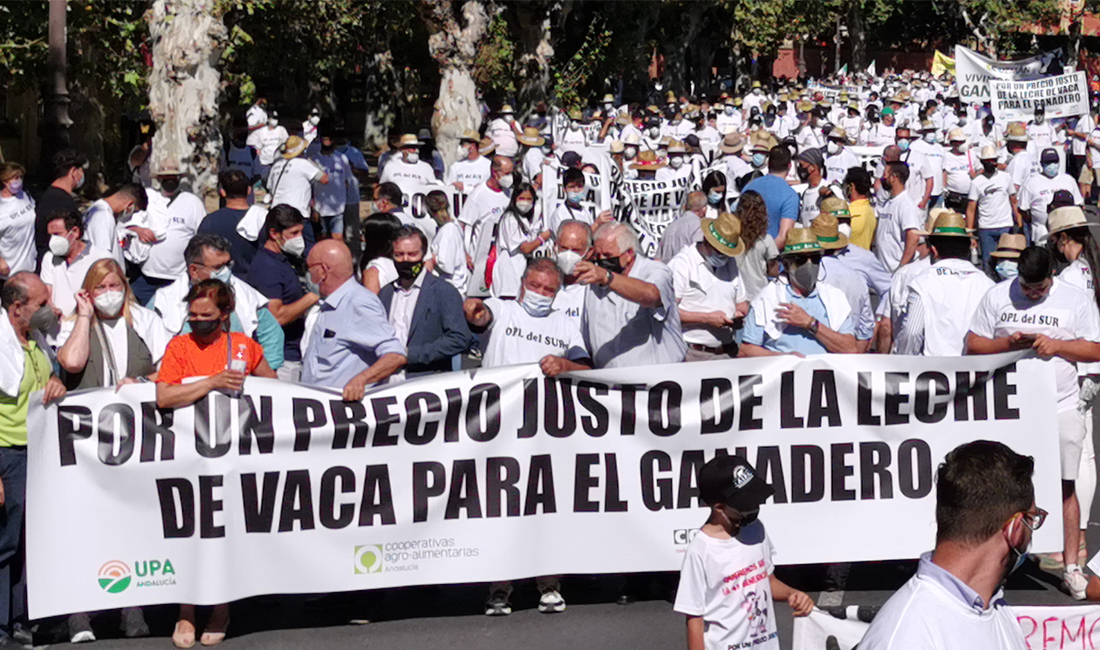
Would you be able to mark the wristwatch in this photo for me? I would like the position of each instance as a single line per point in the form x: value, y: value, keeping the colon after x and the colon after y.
x: 609, y: 278
x: 813, y: 326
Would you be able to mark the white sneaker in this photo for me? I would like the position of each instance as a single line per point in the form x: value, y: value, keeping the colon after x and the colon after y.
x: 551, y: 602
x: 84, y: 636
x: 1075, y: 581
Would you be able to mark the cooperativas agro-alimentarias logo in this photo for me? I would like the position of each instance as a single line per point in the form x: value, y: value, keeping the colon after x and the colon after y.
x: 368, y: 559
x: 114, y: 577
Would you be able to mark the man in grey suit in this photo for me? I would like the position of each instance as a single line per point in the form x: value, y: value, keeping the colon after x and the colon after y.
x: 425, y: 311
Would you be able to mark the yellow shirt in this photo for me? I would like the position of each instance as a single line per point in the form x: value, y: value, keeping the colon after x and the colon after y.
x: 863, y: 223
x: 13, y: 410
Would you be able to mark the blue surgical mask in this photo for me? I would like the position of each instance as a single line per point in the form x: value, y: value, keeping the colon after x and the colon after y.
x: 903, y: 145
x: 717, y: 260
x: 574, y: 197
x: 714, y: 198
x: 223, y: 274
x: 1007, y: 269
x: 1050, y: 170
x: 758, y: 159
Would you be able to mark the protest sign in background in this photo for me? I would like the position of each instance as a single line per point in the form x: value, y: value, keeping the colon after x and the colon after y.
x: 973, y: 72
x: 1062, y: 96
x: 489, y: 474
x: 650, y: 206
x: 1073, y: 627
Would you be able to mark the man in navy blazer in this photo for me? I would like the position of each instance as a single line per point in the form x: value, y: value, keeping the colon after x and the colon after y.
x: 425, y: 311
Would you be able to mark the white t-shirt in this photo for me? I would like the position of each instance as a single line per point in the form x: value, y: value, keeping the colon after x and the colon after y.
x: 387, y: 272
x: 702, y: 288
x: 483, y: 208
x: 266, y: 141
x: 895, y: 219
x: 836, y: 167
x: 64, y: 280
x: 992, y: 196
x: 1067, y: 313
x: 407, y: 175
x: 515, y: 336
x: 958, y: 168
x: 1022, y: 165
x: 726, y: 582
x: 17, y: 232
x: 1085, y: 124
x: 942, y: 302
x: 920, y: 170
x: 101, y: 229
x: 570, y: 299
x: 449, y: 252
x: 1036, y: 194
x: 182, y: 214
x: 331, y: 199
x: 470, y: 173
x: 291, y: 182
x: 934, y: 155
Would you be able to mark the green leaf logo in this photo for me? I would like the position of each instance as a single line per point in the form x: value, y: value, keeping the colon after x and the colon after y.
x: 368, y: 559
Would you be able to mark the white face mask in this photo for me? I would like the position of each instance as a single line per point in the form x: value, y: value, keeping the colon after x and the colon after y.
x: 654, y: 131
x: 110, y: 302
x: 295, y: 246
x: 506, y: 181
x: 833, y: 148
x: 630, y: 152
x: 536, y: 304
x: 59, y: 245
x: 315, y: 120
x: 567, y: 261
x: 524, y: 206
x: 675, y: 161
x: 273, y: 122
x: 930, y: 138
x: 411, y: 157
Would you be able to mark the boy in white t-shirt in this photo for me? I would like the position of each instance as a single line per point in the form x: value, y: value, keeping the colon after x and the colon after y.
x: 727, y: 583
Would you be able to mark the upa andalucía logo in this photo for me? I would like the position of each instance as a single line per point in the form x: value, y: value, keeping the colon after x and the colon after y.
x: 114, y: 577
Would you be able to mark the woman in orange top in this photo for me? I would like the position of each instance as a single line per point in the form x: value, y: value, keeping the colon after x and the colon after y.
x: 224, y: 359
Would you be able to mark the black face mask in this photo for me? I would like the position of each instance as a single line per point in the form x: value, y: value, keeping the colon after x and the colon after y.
x: 803, y: 174
x: 170, y: 185
x: 989, y: 168
x: 204, y: 327
x: 408, y: 270
x: 612, y: 264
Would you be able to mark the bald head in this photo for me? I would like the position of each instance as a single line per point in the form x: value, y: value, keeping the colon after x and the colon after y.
x: 891, y: 153
x: 330, y: 265
x: 696, y: 202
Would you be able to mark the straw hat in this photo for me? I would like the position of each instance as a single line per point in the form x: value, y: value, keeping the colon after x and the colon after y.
x: 762, y: 141
x: 949, y: 224
x: 608, y: 99
x: 617, y: 146
x: 486, y: 146
x: 1016, y: 132
x: 623, y: 119
x: 677, y: 147
x: 732, y: 143
x: 1071, y: 216
x: 506, y: 110
x: 737, y: 101
x: 575, y: 114
x: 1010, y: 246
x: 838, y: 133
x: 805, y: 106
x: 801, y: 241
x: 723, y: 233
x: 632, y: 139
x: 647, y: 160
x: 295, y: 146
x: 531, y: 137
x: 927, y: 125
x: 987, y: 153
x: 407, y: 140
x: 167, y: 167
x: 956, y: 135
x: 826, y: 227
x: 469, y: 135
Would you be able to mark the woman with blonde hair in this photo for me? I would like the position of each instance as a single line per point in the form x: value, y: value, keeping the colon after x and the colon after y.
x: 110, y: 340
x: 759, y: 262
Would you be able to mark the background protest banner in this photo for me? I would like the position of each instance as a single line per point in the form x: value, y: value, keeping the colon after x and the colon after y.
x: 415, y: 193
x: 973, y: 72
x: 291, y: 490
x: 1073, y: 627
x: 650, y: 206
x: 1062, y: 96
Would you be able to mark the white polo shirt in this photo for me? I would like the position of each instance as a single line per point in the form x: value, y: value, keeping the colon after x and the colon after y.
x: 620, y: 333
x: 182, y: 215
x: 702, y: 288
x: 1067, y: 313
x: 65, y: 279
x: 942, y: 302
x: 515, y: 336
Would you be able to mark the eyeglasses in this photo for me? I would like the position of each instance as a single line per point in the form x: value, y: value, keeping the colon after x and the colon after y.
x: 1034, y: 519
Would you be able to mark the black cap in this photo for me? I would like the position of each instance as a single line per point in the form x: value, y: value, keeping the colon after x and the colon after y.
x: 732, y: 481
x: 571, y: 159
x: 1060, y: 199
x: 1048, y: 156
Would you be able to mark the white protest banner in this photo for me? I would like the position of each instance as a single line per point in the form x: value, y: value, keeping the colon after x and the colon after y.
x: 414, y: 194
x: 597, y: 196
x: 650, y: 206
x: 489, y: 475
x: 1062, y: 96
x: 1045, y: 627
x: 973, y: 72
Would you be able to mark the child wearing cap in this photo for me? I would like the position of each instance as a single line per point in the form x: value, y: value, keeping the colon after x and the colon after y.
x: 727, y: 585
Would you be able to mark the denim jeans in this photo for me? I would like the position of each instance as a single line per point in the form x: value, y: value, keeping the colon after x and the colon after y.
x: 988, y: 238
x: 13, y: 598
